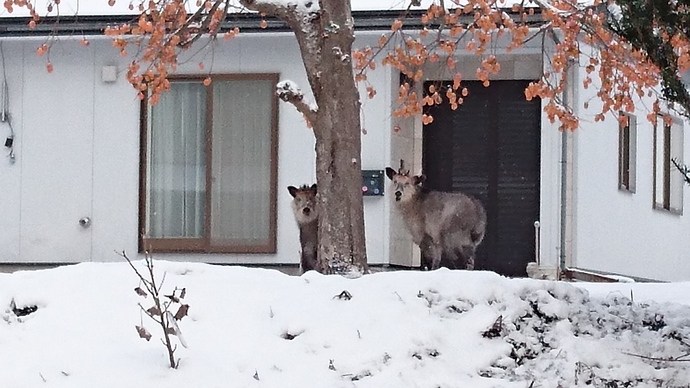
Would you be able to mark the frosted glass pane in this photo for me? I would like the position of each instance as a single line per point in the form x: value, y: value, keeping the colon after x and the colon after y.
x: 241, y: 171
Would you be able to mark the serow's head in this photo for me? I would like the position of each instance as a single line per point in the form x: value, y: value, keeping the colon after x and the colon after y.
x: 405, y: 186
x: 304, y: 203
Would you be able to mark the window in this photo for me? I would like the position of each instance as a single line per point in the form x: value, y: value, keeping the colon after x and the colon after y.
x: 668, y: 181
x: 209, y: 166
x: 627, y: 152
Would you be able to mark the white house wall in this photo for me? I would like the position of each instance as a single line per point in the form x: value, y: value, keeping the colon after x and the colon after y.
x: 56, y: 157
x: 10, y: 177
x: 115, y: 162
x: 617, y: 231
x: 549, y: 231
x: 77, y: 151
x: 376, y: 148
x: 77, y: 155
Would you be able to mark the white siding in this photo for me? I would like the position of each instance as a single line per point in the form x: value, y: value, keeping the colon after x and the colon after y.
x: 55, y: 155
x: 376, y: 140
x: 77, y: 148
x: 10, y: 175
x: 618, y: 231
x: 77, y: 154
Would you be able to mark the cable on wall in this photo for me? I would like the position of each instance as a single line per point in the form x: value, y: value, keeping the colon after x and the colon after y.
x: 5, y: 108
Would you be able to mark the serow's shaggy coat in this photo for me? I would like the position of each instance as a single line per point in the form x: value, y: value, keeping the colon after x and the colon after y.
x: 447, y: 227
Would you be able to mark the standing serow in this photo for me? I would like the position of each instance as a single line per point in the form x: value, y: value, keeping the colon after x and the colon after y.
x: 447, y: 227
x: 304, y: 208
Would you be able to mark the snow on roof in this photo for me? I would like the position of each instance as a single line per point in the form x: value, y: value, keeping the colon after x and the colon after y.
x: 74, y: 7
x: 122, y: 7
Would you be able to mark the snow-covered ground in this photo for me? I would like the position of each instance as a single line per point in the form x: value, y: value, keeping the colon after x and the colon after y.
x: 261, y: 328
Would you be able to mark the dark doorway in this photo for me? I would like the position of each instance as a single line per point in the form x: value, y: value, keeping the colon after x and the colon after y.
x: 489, y: 147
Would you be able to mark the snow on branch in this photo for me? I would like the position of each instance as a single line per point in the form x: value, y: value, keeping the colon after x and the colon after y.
x: 288, y: 91
x: 615, y: 11
x: 302, y: 6
x: 547, y: 5
x: 276, y: 7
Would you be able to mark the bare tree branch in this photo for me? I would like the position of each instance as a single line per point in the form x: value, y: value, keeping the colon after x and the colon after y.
x: 683, y: 170
x: 288, y: 92
x: 206, y: 23
x: 158, y: 309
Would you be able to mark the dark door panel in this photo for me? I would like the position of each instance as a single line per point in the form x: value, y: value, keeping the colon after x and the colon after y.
x: 490, y: 148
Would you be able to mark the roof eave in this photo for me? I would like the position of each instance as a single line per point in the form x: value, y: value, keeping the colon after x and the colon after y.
x: 246, y: 22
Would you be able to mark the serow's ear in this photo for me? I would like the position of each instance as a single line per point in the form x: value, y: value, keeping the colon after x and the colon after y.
x: 419, y: 179
x: 390, y: 173
x: 293, y: 191
x: 313, y: 187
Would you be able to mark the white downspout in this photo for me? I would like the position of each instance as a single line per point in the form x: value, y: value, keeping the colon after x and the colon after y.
x: 566, y: 167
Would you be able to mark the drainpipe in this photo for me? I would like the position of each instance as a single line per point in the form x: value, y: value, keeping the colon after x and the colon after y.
x: 564, y: 190
x: 564, y: 176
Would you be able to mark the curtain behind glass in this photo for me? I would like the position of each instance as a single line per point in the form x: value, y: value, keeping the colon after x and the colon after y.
x: 241, y: 172
x: 176, y: 165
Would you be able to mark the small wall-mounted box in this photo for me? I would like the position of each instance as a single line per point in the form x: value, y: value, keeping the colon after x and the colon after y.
x: 372, y: 182
x: 109, y: 74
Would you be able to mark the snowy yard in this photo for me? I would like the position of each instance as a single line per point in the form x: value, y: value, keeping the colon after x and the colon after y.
x: 261, y: 328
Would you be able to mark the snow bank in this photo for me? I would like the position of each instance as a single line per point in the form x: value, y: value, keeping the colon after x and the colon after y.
x: 261, y: 328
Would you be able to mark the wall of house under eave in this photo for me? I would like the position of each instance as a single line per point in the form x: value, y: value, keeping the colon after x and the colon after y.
x: 376, y: 148
x: 550, y: 205
x: 9, y: 174
x: 617, y: 231
x: 77, y: 151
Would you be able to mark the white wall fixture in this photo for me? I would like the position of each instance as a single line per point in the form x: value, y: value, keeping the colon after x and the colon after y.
x: 109, y: 74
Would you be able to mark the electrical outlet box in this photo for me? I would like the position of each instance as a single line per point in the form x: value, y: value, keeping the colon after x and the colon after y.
x: 9, y: 141
x: 372, y: 182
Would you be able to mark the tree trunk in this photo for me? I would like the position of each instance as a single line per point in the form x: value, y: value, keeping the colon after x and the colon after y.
x: 337, y: 128
x: 338, y: 173
x: 325, y: 35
